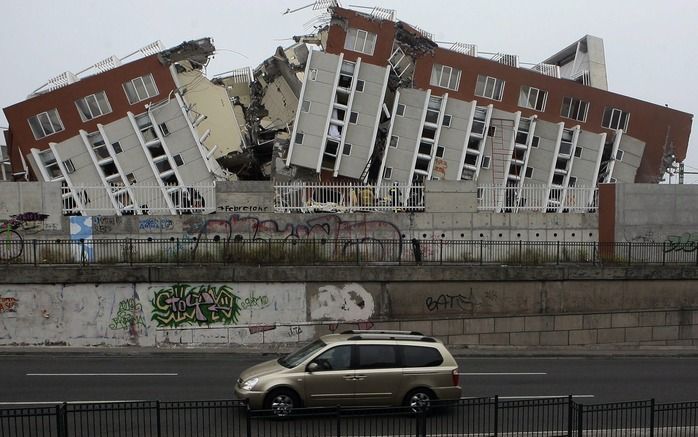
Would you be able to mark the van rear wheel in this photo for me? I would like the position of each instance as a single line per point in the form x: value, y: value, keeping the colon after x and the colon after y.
x: 281, y: 402
x: 419, y: 400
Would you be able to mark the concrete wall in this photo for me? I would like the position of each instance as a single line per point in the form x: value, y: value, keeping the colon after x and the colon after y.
x: 546, y: 313
x: 648, y: 213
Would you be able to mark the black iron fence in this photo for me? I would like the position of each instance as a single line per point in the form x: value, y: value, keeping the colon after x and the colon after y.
x: 474, y: 417
x: 321, y: 251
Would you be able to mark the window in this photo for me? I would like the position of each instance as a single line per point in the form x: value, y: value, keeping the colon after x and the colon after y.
x: 489, y: 87
x: 445, y: 77
x: 400, y: 110
x: 572, y: 182
x: 533, y: 98
x: 529, y: 172
x: 492, y: 131
x: 388, y: 173
x: 394, y: 140
x: 353, y: 117
x: 305, y: 107
x: 69, y: 166
x: 45, y: 124
x: 578, y: 152
x: 347, y: 149
x: 337, y: 358
x: 376, y: 356
x: 614, y: 118
x: 574, y: 108
x: 299, y: 138
x: 440, y: 150
x: 359, y: 40
x: 535, y: 141
x: 178, y: 160
x: 447, y: 120
x: 486, y: 162
x: 313, y: 74
x: 117, y: 147
x: 417, y: 356
x: 50, y: 164
x: 93, y: 106
x: 619, y: 155
x: 163, y: 128
x: 360, y: 84
x: 140, y: 88
x: 131, y: 178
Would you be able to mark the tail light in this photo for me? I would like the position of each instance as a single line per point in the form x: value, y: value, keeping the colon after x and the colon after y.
x: 455, y: 376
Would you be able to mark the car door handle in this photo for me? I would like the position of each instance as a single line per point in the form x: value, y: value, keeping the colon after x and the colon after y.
x: 349, y: 378
x: 359, y: 377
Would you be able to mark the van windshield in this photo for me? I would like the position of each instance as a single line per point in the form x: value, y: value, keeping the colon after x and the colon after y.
x: 297, y: 357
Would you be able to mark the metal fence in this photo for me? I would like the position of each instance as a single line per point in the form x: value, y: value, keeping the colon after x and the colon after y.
x: 347, y: 197
x: 537, y: 198
x: 139, y: 199
x: 465, y: 417
x: 365, y: 251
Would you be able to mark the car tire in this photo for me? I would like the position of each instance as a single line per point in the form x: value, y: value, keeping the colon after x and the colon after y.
x: 419, y: 400
x: 282, y: 402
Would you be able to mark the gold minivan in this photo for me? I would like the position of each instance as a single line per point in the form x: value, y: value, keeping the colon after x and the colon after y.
x: 354, y: 368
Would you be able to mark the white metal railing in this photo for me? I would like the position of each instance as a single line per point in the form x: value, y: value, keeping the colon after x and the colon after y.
x: 139, y: 199
x: 539, y: 198
x: 547, y: 70
x: 346, y: 197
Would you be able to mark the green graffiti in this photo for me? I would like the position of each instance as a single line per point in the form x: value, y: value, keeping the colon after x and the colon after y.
x: 184, y: 305
x: 129, y: 315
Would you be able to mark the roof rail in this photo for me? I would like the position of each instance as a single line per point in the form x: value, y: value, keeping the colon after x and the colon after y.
x: 397, y: 337
x: 379, y: 331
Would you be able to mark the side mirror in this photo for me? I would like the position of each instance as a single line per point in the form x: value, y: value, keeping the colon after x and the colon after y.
x: 313, y: 367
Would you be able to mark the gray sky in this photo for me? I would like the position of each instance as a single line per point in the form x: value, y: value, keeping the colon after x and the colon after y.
x: 651, y: 45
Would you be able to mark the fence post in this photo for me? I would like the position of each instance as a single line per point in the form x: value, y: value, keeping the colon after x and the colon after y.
x: 248, y: 418
x: 570, y: 413
x: 652, y: 405
x: 441, y: 251
x: 558, y: 253
x: 34, y: 251
x: 358, y: 255
x: 177, y: 252
x: 580, y: 419
x: 338, y: 427
x: 496, y: 415
x: 630, y: 252
x: 593, y: 256
x: 480, y: 252
x: 663, y: 253
x: 82, y: 251
x: 62, y: 420
x: 521, y: 260
x: 157, y: 412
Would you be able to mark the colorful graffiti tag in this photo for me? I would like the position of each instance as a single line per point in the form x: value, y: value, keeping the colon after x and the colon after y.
x: 8, y: 304
x: 192, y: 305
x: 129, y: 316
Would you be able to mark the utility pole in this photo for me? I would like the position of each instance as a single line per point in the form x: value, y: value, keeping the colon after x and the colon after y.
x: 683, y: 172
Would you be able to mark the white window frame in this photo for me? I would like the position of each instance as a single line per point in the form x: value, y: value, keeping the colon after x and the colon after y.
x: 490, y: 87
x: 313, y: 74
x: 143, y: 94
x: 440, y: 72
x: 397, y: 141
x: 582, y: 109
x: 448, y: 117
x: 345, y: 151
x: 440, y: 151
x: 45, y: 123
x: 93, y: 106
x: 388, y: 173
x: 359, y: 40
x: 355, y: 116
x: 305, y: 106
x: 619, y: 155
x: 400, y: 110
x: 360, y: 85
x: 486, y: 161
x: 174, y: 158
x: 49, y: 162
x: 299, y: 138
x: 525, y: 98
x: 617, y: 125
x: 69, y: 166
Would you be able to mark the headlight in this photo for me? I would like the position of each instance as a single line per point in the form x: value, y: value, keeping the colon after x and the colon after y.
x: 250, y: 383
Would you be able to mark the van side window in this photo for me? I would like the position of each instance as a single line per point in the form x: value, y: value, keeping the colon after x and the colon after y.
x: 417, y: 356
x: 377, y: 357
x: 337, y: 358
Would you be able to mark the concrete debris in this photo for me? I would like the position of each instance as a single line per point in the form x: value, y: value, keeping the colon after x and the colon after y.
x: 197, y: 51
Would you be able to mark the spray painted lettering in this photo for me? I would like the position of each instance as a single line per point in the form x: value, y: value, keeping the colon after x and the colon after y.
x: 182, y: 305
x: 8, y: 304
x: 450, y: 302
x: 153, y: 224
x: 129, y: 316
x: 687, y: 242
x: 254, y: 302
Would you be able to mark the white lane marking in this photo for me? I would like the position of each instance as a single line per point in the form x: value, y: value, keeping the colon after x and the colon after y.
x: 545, y: 397
x: 102, y: 374
x: 503, y: 374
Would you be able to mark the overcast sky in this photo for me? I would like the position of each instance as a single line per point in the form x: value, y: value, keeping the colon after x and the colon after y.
x: 651, y: 45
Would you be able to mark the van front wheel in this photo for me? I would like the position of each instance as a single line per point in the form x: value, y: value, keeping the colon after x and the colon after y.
x: 281, y: 402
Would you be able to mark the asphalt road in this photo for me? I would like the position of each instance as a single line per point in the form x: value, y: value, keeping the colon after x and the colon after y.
x: 45, y: 378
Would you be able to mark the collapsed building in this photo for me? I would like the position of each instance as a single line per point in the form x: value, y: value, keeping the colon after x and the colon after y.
x: 367, y: 99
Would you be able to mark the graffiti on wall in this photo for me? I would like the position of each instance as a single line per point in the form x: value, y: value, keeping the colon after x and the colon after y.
x: 350, y: 302
x: 105, y: 224
x: 129, y: 316
x: 11, y: 230
x: 450, y: 302
x: 8, y: 304
x: 155, y: 224
x: 191, y: 305
x: 686, y: 242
